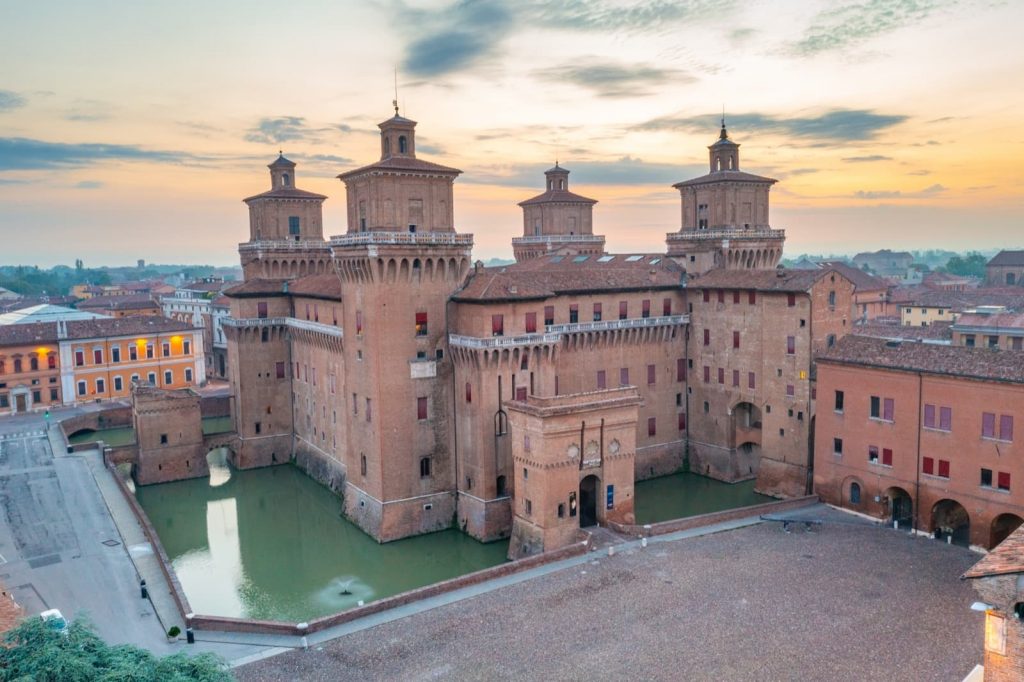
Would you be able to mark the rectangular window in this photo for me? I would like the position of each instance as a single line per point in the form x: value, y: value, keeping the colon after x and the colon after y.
x: 574, y: 313
x: 549, y: 314
x: 944, y: 468
x: 652, y: 426
x: 97, y: 356
x: 682, y: 421
x: 927, y: 465
x: 721, y: 295
x: 168, y: 378
x: 736, y: 296
x: 707, y: 337
x: 888, y: 409
x: 279, y: 370
x: 645, y: 308
x: 118, y: 384
x: 623, y: 310
x: 993, y: 342
x: 597, y: 312
x: 929, y: 416
x: 707, y: 295
x: 369, y: 410
x: 421, y: 408
x: 261, y: 309
x: 359, y: 322
x: 81, y: 388
x: 115, y: 354
x: 790, y: 300
x: 1017, y: 343
x: 624, y: 376
x: 666, y: 306
x: 186, y: 347
x: 188, y: 374
x: 837, y: 446
x: 149, y: 351
x: 790, y: 345
x: 601, y: 379
x: 79, y: 358
x: 721, y: 375
x: 946, y: 418
x: 707, y: 374
x: 876, y: 407
x: 790, y: 390
x: 988, y: 425
x: 1003, y: 480
x: 650, y: 374
x: 151, y: 378
x: 101, y: 386
x: 497, y: 325
x: 751, y: 380
x: 840, y: 397
x: 751, y: 297
x: 680, y: 369
x: 986, y: 478
x: 735, y: 339
x: 53, y: 395
x: 873, y: 454
x: 887, y: 456
x: 133, y: 352
x: 421, y: 324
x: 735, y: 377
x: 531, y: 323
x: 293, y: 225
x: 1006, y: 427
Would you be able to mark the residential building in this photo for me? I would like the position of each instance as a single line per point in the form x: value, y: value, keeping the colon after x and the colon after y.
x: 1006, y: 269
x: 993, y: 329
x: 121, y: 305
x: 999, y: 580
x: 871, y: 293
x: 885, y: 263
x: 201, y: 304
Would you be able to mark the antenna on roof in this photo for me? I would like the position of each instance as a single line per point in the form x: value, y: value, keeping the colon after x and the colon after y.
x: 394, y: 102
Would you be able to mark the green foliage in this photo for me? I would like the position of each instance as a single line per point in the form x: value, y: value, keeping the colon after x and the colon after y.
x: 36, y: 653
x: 174, y: 631
x: 971, y: 265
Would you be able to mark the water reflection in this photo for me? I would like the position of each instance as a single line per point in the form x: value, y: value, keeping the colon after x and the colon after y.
x: 271, y: 543
x: 681, y: 495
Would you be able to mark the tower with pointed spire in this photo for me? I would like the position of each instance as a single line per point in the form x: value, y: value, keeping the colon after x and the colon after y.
x: 725, y: 216
x: 557, y: 221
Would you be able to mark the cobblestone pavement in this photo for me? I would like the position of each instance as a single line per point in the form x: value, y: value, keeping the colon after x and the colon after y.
x: 850, y: 601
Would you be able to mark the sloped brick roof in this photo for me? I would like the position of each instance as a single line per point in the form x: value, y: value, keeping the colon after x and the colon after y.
x: 759, y: 280
x: 327, y: 286
x: 129, y: 302
x: 286, y: 193
x: 1009, y: 320
x: 1008, y: 258
x: 726, y: 175
x: 936, y: 331
x: 862, y: 281
x: 961, y: 361
x: 1007, y: 557
x: 556, y: 196
x: 257, y: 287
x: 27, y: 334
x: 124, y: 326
x: 554, y: 275
x: 401, y: 163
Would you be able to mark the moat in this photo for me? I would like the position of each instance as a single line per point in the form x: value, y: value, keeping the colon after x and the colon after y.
x: 272, y: 543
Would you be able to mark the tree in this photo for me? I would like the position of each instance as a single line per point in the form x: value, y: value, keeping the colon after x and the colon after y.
x: 971, y: 265
x: 35, y: 652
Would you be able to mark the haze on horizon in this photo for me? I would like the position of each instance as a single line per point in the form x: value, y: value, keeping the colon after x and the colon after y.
x: 133, y: 130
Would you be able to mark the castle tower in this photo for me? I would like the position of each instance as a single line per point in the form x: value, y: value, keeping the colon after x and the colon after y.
x: 557, y: 221
x: 399, y: 262
x: 286, y: 237
x: 725, y: 216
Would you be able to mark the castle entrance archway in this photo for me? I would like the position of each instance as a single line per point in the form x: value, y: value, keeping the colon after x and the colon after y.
x: 588, y: 501
x: 901, y: 507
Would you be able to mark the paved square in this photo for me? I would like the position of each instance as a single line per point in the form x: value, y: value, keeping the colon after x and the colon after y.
x: 849, y: 601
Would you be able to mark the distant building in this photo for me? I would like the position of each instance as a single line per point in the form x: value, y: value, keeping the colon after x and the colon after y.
x: 885, y: 263
x: 922, y: 435
x: 201, y: 304
x: 46, y: 313
x: 990, y: 329
x: 122, y: 306
x: 870, y: 294
x: 1006, y: 269
x: 8, y: 295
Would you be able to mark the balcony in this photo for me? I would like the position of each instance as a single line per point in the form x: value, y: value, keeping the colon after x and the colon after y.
x: 737, y: 233
x: 488, y: 342
x: 284, y: 245
x: 559, y: 239
x: 290, y: 322
x: 629, y: 323
x: 402, y: 239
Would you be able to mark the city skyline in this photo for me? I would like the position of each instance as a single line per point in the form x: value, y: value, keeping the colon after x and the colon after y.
x: 134, y: 132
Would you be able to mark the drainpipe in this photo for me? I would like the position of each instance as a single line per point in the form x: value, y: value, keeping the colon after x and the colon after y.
x: 917, y: 475
x: 455, y: 416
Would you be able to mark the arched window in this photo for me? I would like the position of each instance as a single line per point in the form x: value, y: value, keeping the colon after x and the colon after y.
x: 718, y: 164
x: 561, y: 184
x: 855, y: 493
x: 17, y: 365
x: 285, y: 179
x: 387, y: 146
x: 730, y: 163
x: 33, y: 364
x: 401, y: 144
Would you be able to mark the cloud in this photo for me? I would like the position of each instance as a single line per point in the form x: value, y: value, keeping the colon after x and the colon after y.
x: 18, y: 153
x: 10, y: 100
x: 920, y: 172
x: 429, y: 148
x: 866, y: 159
x: 837, y: 125
x: 275, y: 130
x: 89, y: 184
x: 898, y: 194
x: 327, y: 158
x: 624, y: 171
x: 839, y: 27
x: 611, y: 15
x: 802, y: 171
x: 608, y: 79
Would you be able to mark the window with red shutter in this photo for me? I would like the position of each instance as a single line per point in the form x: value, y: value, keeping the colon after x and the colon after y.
x: 944, y: 468
x: 888, y: 409
x: 650, y: 374
x: 624, y: 376
x: 707, y: 295
x: 790, y: 300
x: 666, y: 307
x: 735, y: 339
x: 645, y: 308
x: 1006, y: 427
x: 1004, y: 480
x: 736, y: 296
x: 680, y: 369
x: 549, y: 314
x: 752, y: 297
x: 497, y: 325
x: 80, y: 357
x: 929, y: 416
x: 707, y: 374
x: 421, y: 408
x: 887, y: 456
x: 421, y: 324
x: 97, y: 354
x: 790, y: 390
x: 623, y: 310
x: 531, y: 323
x: 279, y: 370
x: 261, y: 309
x: 927, y: 465
x: 521, y: 393
x: 988, y: 425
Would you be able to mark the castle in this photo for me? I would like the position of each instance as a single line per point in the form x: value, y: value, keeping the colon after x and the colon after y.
x: 521, y: 401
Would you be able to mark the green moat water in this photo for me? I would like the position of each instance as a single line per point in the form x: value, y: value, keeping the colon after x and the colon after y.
x: 272, y: 544
x: 681, y: 495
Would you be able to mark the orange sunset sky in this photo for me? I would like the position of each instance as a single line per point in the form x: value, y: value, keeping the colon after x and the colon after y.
x: 133, y: 129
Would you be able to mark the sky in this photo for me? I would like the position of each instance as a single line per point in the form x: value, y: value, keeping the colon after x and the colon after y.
x: 133, y: 129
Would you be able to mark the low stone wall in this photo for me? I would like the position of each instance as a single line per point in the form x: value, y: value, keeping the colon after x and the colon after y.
x: 177, y: 593
x: 223, y: 624
x: 122, y: 454
x: 691, y: 522
x: 115, y: 417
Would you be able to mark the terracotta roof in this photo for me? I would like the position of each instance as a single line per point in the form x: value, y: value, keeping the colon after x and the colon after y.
x: 553, y: 196
x: 281, y: 162
x: 862, y: 281
x: 258, y: 287
x: 401, y: 163
x: 1007, y: 557
x: 958, y: 300
x: 326, y: 286
x: 725, y: 175
x: 1008, y: 320
x: 129, y: 302
x: 124, y: 326
x: 285, y: 193
x: 27, y: 334
x: 781, y: 279
x: 554, y: 275
x: 1008, y: 258
x: 204, y: 285
x: 221, y: 301
x: 930, y: 358
x: 884, y: 253
x: 936, y: 331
